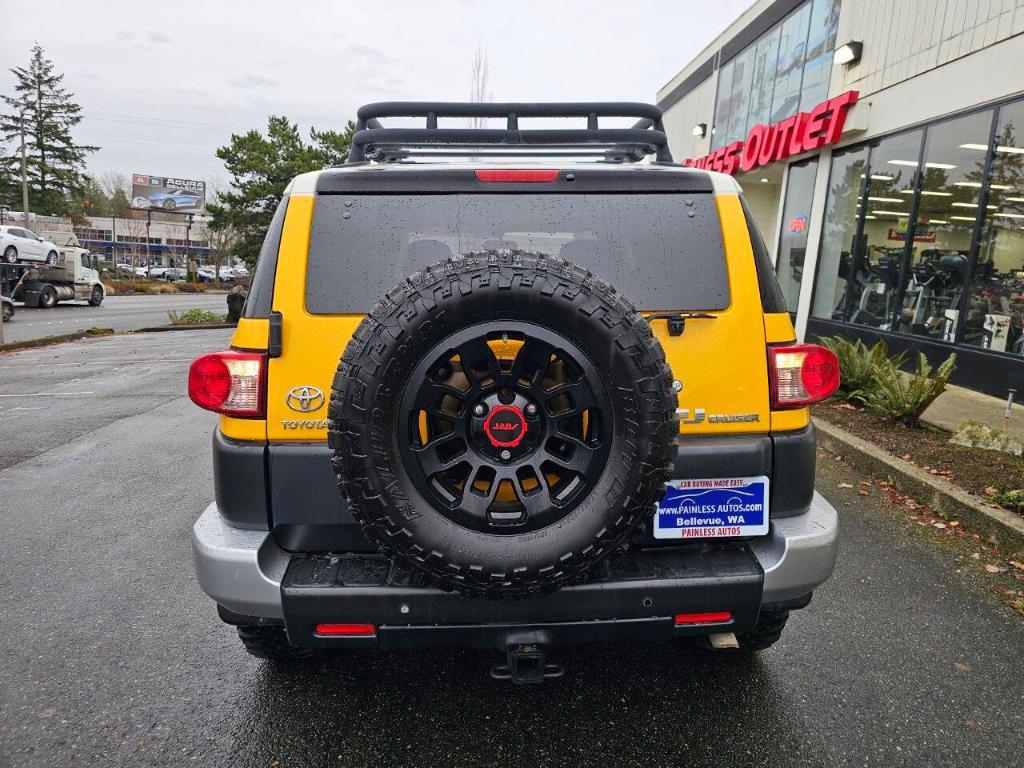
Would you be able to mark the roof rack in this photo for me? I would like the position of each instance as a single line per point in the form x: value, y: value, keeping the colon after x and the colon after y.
x: 372, y: 141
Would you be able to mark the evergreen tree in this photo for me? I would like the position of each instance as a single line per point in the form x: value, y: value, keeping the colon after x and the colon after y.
x: 47, y: 112
x: 261, y: 167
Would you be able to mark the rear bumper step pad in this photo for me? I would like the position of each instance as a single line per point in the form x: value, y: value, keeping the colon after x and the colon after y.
x: 635, y: 595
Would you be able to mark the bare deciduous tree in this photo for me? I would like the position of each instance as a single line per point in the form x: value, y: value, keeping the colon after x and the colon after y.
x: 479, y: 90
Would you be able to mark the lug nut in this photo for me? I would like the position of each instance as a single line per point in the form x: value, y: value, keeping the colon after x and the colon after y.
x: 531, y: 410
x: 479, y: 410
x: 506, y: 455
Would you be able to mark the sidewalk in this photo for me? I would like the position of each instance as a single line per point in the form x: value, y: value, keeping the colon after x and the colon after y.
x: 957, y: 405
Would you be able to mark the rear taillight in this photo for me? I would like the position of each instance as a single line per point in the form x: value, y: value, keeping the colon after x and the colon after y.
x: 532, y: 175
x: 802, y: 374
x: 346, y: 630
x: 706, y: 617
x: 231, y: 383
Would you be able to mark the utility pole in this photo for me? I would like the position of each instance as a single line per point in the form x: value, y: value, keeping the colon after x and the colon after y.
x: 24, y: 170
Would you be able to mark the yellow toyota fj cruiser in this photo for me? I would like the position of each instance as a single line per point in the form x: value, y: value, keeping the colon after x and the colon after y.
x: 561, y: 398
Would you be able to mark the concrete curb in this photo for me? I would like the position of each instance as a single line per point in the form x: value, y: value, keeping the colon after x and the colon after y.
x: 46, y: 341
x: 203, y: 327
x: 1003, y: 527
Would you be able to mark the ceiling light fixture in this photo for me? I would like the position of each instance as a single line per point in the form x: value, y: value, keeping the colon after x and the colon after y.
x: 962, y: 218
x: 885, y: 199
x: 977, y: 185
x: 879, y: 177
x: 700, y: 130
x: 911, y: 163
x: 764, y: 181
x: 971, y: 205
x: 1010, y: 215
x: 891, y: 213
x: 936, y: 221
x: 999, y: 148
x: 869, y: 216
x: 1014, y: 199
x: 848, y: 53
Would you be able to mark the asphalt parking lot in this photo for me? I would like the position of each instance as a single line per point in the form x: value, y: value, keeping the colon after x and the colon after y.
x: 121, y: 313
x: 112, y: 656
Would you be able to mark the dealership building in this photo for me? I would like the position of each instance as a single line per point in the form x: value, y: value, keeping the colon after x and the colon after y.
x: 880, y: 147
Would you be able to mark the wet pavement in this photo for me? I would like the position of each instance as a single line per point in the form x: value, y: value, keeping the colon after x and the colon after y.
x: 112, y: 656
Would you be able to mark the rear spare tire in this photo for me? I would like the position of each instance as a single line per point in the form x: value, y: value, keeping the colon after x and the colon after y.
x: 502, y: 423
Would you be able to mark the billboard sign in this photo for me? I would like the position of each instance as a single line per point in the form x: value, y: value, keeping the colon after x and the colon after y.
x: 168, y: 193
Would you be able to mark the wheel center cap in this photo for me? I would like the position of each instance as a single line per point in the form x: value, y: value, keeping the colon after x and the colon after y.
x: 505, y: 426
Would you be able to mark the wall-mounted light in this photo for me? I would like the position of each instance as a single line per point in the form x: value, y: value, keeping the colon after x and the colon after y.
x: 700, y: 130
x: 848, y: 53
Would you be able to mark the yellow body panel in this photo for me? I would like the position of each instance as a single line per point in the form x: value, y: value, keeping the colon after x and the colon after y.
x: 251, y: 333
x: 778, y: 328
x: 721, y: 363
x: 311, y: 344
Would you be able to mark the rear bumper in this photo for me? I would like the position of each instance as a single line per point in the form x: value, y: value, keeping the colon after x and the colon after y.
x: 243, y: 571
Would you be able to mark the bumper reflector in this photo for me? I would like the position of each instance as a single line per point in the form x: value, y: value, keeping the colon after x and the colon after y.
x: 346, y: 630
x: 709, y: 617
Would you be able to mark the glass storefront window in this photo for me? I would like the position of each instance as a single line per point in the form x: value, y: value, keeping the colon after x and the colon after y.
x: 790, y: 64
x: 741, y: 77
x: 937, y: 275
x: 836, y: 292
x: 785, y: 71
x: 723, y: 107
x: 995, y: 309
x: 892, y: 174
x: 796, y: 215
x: 766, y: 53
x: 821, y: 43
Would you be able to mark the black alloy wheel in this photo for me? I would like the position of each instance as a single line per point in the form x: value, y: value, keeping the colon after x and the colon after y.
x: 504, y: 427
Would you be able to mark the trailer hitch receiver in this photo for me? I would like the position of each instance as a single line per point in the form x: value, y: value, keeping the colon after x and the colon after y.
x: 526, y: 664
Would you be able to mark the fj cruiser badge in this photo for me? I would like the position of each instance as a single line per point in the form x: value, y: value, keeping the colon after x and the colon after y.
x: 304, y: 399
x: 699, y: 416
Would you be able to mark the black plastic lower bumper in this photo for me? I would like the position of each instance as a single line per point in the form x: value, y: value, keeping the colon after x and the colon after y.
x: 636, y: 595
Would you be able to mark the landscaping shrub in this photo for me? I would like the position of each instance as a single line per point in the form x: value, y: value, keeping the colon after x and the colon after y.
x: 859, y: 366
x: 190, y: 287
x: 904, y: 397
x: 1012, y: 500
x: 194, y: 317
x: 974, y: 434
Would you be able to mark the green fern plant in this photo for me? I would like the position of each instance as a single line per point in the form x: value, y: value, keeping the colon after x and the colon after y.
x: 904, y: 397
x: 859, y: 365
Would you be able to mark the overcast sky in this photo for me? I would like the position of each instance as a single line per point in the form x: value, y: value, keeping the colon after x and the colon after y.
x: 163, y: 85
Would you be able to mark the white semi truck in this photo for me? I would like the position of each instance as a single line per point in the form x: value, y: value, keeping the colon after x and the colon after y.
x: 73, y: 278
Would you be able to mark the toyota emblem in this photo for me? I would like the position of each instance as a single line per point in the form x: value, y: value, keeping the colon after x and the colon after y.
x: 304, y: 399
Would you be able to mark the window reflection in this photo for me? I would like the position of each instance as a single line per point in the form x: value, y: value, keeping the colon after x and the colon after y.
x: 821, y: 43
x: 948, y: 206
x: 723, y: 107
x: 785, y: 71
x: 796, y: 215
x: 790, y: 67
x: 995, y: 311
x: 837, y: 290
x: 763, y: 82
x: 875, y: 268
x: 741, y: 77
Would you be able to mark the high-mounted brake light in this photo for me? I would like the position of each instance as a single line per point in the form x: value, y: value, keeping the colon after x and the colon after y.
x: 231, y: 383
x: 802, y: 374
x: 532, y: 175
x: 707, y: 617
x: 346, y: 630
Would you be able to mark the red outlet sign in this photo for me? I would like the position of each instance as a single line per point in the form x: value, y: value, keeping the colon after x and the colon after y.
x: 803, y: 132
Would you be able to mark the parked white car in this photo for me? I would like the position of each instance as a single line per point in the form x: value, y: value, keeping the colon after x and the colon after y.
x: 20, y: 244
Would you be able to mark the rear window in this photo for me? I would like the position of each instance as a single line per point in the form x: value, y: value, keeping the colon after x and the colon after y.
x: 663, y: 251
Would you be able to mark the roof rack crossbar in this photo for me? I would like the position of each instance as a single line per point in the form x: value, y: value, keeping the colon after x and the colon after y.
x: 373, y: 141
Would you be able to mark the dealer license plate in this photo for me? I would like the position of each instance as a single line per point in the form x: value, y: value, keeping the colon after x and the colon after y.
x: 713, y: 508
